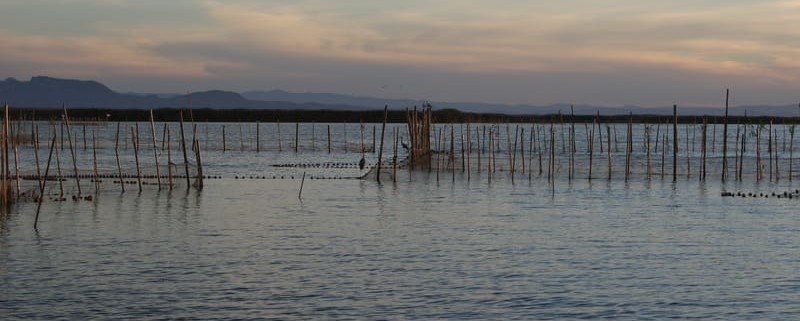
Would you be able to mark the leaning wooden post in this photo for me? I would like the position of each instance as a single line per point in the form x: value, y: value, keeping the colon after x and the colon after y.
x: 725, y: 139
x: 135, y: 135
x: 116, y: 153
x: 770, y: 147
x: 591, y: 151
x: 84, y: 136
x: 155, y: 150
x: 380, y: 152
x: 199, y: 167
x: 675, y: 143
x: 183, y: 146
x: 16, y: 166
x: 35, y: 133
x: 41, y: 188
x: 302, y: 182
x: 94, y: 163
x: 703, y: 146
x: 608, y: 150
x: 71, y: 148
x: 58, y: 169
x: 169, y: 158
x: 394, y: 163
x: 791, y: 150
x: 452, y: 151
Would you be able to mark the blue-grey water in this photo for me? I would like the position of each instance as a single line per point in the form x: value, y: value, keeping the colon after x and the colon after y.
x: 419, y: 248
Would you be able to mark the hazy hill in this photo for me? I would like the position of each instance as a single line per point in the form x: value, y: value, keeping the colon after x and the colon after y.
x: 48, y: 92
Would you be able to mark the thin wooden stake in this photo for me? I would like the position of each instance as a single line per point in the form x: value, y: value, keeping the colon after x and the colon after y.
x: 155, y: 150
x: 135, y: 135
x: 71, y: 149
x: 380, y: 152
x: 44, y: 183
x: 302, y: 182
x: 116, y: 153
x: 183, y: 146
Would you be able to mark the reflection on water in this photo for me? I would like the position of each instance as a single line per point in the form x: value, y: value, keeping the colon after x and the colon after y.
x: 415, y: 249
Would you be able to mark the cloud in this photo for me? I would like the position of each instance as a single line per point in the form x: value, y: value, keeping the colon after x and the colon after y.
x: 718, y: 41
x: 235, y: 43
x: 88, y: 56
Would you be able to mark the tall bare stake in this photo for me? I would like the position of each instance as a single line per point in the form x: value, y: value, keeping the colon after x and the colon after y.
x: 71, y: 149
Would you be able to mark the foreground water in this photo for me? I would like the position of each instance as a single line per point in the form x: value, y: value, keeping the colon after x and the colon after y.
x: 415, y: 249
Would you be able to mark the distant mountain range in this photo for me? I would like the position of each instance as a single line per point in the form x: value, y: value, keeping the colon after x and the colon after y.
x: 48, y: 92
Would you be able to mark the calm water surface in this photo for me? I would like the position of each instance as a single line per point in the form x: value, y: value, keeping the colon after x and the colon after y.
x: 415, y: 249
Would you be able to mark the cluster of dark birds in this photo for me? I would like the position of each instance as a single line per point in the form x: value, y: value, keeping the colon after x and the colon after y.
x: 789, y: 194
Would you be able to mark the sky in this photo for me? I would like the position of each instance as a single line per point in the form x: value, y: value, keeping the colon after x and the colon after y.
x: 611, y: 53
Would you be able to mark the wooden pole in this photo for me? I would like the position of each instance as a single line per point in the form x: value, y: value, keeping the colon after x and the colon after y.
x: 758, y: 153
x: 591, y: 150
x: 224, y: 147
x: 329, y: 139
x: 725, y: 139
x: 135, y: 135
x: 469, y: 153
x: 688, y: 151
x: 608, y: 150
x: 736, y: 153
x: 84, y: 136
x: 116, y: 153
x: 164, y: 136
x: 675, y: 143
x: 16, y: 167
x: 94, y: 163
x: 258, y: 136
x: 522, y: 148
x: 199, y: 168
x: 770, y: 148
x: 552, y: 160
x: 513, y: 153
x: 169, y: 158
x: 647, y: 150
x: 791, y: 150
x: 380, y: 152
x: 58, y: 170
x: 394, y: 162
x: 704, y: 147
x: 44, y: 183
x: 489, y: 160
x: 302, y: 182
x: 155, y: 150
x: 35, y: 134
x: 183, y: 146
x: 71, y: 149
x: 296, y: 136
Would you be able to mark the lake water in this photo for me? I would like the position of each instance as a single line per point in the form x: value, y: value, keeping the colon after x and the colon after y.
x: 419, y: 248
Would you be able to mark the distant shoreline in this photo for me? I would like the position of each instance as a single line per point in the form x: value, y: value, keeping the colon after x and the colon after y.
x: 367, y: 116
